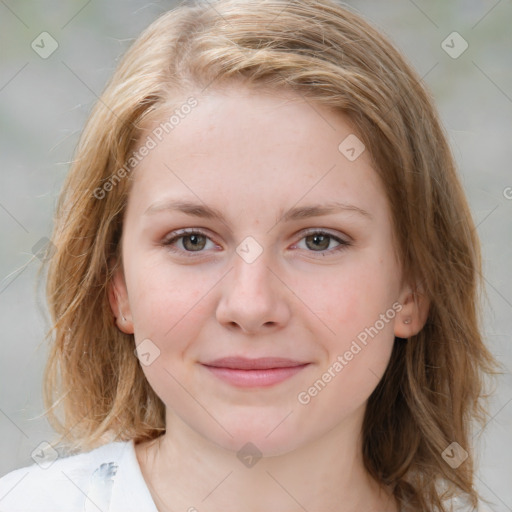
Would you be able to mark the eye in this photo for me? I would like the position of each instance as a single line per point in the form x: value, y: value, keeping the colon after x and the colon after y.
x: 319, y: 241
x: 193, y: 240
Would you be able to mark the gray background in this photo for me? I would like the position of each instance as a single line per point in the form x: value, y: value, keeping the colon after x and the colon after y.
x: 44, y: 104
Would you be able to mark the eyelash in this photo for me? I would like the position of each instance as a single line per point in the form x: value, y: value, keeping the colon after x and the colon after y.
x: 190, y: 254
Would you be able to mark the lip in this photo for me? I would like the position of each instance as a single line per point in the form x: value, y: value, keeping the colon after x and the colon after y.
x: 261, y: 372
x: 260, y: 363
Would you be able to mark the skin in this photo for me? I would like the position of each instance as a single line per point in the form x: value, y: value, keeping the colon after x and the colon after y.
x: 252, y: 155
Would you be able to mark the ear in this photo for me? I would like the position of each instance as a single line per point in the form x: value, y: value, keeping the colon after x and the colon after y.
x: 413, y: 315
x: 119, y: 303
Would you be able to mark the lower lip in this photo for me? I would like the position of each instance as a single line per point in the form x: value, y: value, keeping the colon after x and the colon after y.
x: 255, y: 378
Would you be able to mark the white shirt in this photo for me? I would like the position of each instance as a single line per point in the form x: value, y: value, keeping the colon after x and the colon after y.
x: 107, y: 479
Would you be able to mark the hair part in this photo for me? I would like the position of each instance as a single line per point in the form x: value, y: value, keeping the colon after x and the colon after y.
x: 433, y: 385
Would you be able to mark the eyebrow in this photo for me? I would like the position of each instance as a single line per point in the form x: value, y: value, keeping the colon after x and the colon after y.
x: 295, y: 213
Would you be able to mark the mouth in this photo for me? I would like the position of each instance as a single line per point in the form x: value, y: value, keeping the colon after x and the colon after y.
x: 261, y: 372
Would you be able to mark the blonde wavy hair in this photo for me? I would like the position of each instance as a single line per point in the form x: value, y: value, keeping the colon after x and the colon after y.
x: 432, y: 390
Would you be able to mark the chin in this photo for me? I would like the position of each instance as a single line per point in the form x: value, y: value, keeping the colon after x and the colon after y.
x: 268, y: 438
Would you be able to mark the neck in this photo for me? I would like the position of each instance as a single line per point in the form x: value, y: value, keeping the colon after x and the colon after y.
x: 185, y: 471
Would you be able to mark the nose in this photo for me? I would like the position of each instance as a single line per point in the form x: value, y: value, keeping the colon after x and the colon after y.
x: 254, y: 298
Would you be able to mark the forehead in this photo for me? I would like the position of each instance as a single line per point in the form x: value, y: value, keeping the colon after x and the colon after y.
x: 272, y: 147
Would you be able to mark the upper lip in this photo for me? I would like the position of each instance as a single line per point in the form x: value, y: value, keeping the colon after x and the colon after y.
x: 261, y: 363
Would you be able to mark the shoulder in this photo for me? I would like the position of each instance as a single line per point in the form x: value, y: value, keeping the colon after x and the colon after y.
x: 82, y: 482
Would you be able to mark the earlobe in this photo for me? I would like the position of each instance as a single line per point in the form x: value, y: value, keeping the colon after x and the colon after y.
x: 119, y: 304
x: 414, y: 313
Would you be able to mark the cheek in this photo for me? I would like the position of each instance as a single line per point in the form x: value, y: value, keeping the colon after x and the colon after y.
x: 165, y: 299
x: 365, y: 324
x: 357, y: 306
x: 352, y: 297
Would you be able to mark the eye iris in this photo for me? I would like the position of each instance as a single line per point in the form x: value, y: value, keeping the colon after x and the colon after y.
x: 324, y: 241
x: 194, y: 240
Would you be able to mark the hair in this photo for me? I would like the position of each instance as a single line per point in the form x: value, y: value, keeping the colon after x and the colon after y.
x: 433, y: 387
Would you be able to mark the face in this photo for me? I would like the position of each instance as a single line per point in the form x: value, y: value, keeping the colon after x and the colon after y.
x: 274, y: 274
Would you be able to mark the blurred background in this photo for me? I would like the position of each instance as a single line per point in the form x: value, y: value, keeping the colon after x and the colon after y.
x: 55, y: 59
